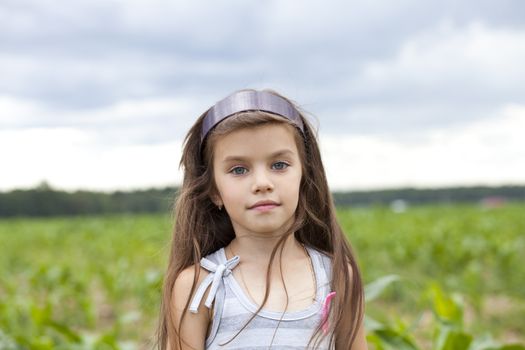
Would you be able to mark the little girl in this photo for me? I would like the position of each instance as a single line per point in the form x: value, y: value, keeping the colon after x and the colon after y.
x: 258, y: 259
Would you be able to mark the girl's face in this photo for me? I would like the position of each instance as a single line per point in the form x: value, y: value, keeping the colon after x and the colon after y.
x: 257, y: 172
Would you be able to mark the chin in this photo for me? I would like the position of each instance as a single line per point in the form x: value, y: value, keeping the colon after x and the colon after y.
x: 270, y: 229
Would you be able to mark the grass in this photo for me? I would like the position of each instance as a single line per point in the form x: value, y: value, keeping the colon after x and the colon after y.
x: 94, y: 282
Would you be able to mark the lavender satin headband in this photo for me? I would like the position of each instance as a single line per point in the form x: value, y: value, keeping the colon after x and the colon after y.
x: 250, y: 101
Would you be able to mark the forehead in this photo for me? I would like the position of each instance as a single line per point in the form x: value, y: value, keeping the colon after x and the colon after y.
x: 256, y: 142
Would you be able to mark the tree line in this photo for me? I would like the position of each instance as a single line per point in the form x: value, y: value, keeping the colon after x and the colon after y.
x: 47, y: 201
x: 44, y: 200
x: 482, y: 194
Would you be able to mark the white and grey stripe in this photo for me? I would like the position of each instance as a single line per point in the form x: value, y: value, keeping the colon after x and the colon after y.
x: 232, y: 309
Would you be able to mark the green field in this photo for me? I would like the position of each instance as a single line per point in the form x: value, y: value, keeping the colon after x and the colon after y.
x: 94, y: 282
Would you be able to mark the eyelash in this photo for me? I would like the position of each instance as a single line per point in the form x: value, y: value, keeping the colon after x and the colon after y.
x: 232, y: 171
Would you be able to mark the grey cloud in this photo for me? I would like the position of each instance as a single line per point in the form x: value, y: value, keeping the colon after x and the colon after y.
x: 93, y: 54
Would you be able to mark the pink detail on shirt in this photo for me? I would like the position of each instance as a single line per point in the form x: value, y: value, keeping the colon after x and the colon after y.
x: 326, y: 310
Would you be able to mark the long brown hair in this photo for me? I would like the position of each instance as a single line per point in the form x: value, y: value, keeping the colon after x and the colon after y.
x: 201, y: 228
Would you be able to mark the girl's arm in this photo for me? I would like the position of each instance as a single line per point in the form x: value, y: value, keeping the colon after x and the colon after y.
x: 194, y: 326
x: 360, y: 340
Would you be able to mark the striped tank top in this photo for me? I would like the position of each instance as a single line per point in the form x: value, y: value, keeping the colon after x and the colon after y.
x: 233, y: 308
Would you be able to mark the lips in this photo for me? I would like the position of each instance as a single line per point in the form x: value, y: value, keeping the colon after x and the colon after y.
x: 264, y: 203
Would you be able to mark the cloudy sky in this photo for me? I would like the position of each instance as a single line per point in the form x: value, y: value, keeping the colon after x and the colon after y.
x: 99, y: 94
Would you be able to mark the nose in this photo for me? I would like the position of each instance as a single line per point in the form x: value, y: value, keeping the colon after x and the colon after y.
x: 262, y: 182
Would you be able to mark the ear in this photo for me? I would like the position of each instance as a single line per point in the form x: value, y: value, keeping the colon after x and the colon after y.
x: 218, y: 202
x: 216, y: 198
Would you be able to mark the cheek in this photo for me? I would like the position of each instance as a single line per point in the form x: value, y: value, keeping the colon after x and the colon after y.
x: 294, y: 191
x: 230, y: 192
x: 225, y: 191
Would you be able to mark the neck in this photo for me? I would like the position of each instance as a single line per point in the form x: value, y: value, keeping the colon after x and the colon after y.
x: 259, y: 249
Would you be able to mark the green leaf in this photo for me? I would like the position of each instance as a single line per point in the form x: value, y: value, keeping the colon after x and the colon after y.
x: 107, y: 341
x: 390, y: 339
x: 66, y: 331
x: 484, y: 342
x: 373, y: 339
x: 372, y: 325
x: 6, y: 342
x: 447, y: 309
x: 374, y: 289
x: 40, y: 315
x: 507, y: 347
x: 450, y: 339
x: 42, y: 343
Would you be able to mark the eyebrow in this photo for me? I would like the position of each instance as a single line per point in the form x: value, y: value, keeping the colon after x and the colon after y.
x: 273, y: 155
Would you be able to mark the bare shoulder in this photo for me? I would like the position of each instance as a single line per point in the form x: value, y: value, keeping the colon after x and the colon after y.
x: 360, y: 340
x: 183, y: 284
x: 194, y: 326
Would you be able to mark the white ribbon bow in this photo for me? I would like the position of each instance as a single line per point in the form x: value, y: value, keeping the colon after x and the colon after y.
x: 214, y: 278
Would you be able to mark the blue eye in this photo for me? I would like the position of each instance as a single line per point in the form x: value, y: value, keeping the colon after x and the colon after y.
x: 280, y: 165
x: 238, y: 170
